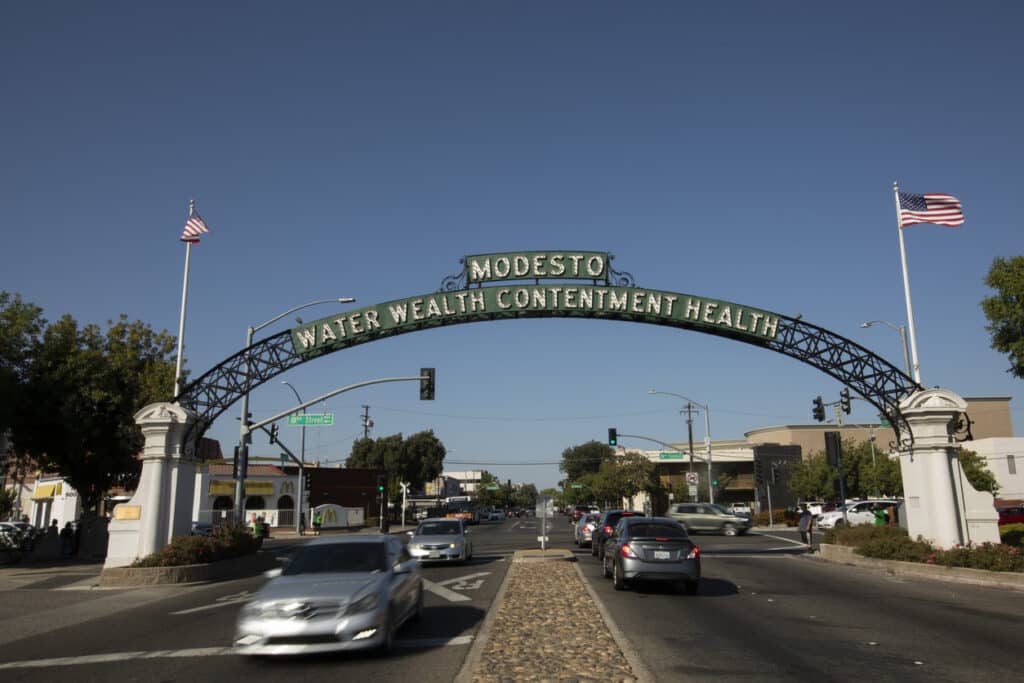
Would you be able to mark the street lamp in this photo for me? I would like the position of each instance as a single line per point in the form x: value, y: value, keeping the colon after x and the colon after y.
x: 244, y: 437
x: 707, y: 435
x: 302, y: 461
x: 903, y: 340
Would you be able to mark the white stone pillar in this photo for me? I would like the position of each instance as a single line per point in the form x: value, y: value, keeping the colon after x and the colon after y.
x: 162, y: 504
x: 941, y: 505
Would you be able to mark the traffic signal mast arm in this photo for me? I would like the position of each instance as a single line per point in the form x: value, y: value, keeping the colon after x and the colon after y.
x: 660, y: 443
x: 262, y: 423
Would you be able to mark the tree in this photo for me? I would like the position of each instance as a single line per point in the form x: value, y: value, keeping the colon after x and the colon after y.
x: 21, y: 326
x: 415, y: 460
x: 1005, y: 310
x: 78, y: 396
x: 977, y: 472
x: 491, y: 497
x: 585, y: 458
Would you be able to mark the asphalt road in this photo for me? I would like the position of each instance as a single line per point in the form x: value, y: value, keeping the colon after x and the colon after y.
x: 764, y: 612
x: 57, y: 625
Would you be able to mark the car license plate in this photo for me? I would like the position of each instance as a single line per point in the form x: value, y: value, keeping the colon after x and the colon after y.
x: 434, y: 555
x: 662, y: 554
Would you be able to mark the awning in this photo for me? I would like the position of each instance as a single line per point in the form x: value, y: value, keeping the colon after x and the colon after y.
x: 252, y: 488
x: 259, y: 488
x: 44, y: 491
x: 222, y: 488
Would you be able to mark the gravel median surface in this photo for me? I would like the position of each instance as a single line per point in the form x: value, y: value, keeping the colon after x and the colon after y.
x: 547, y: 628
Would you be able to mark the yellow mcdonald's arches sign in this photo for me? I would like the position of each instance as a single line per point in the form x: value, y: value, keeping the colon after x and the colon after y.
x: 331, y: 516
x: 287, y: 486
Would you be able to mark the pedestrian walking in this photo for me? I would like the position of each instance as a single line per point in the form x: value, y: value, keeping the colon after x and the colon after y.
x: 302, y: 524
x: 318, y: 520
x: 805, y: 524
x: 67, y: 535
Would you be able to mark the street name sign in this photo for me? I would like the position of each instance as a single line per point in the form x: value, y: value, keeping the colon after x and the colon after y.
x: 670, y: 456
x: 311, y: 420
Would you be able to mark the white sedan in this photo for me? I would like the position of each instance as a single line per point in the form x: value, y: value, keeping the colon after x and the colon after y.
x: 859, y: 512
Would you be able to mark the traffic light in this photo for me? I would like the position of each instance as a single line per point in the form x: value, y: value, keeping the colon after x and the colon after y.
x: 613, y: 436
x: 426, y: 384
x: 818, y: 411
x: 844, y: 400
x: 774, y: 472
x: 758, y: 473
x: 273, y: 433
x: 380, y: 483
x: 234, y: 465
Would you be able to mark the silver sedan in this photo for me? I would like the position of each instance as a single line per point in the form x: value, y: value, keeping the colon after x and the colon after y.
x: 441, y: 540
x: 338, y: 593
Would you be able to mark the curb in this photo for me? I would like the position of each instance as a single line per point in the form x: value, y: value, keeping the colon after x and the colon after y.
x: 476, y: 650
x: 840, y: 554
x: 640, y: 670
x: 235, y: 568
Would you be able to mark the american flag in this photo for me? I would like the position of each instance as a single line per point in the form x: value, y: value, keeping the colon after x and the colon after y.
x: 194, y: 227
x: 941, y: 209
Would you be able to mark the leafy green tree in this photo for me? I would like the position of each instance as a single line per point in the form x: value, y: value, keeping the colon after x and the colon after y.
x: 78, y: 396
x: 415, y: 460
x: 1005, y: 310
x: 491, y: 497
x: 525, y: 496
x: 584, y: 458
x: 977, y: 472
x: 21, y: 327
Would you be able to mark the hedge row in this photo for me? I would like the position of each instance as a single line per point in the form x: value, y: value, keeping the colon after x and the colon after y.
x: 893, y: 543
x: 225, y: 543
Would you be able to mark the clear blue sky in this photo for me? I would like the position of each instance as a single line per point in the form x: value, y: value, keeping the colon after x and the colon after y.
x: 744, y: 152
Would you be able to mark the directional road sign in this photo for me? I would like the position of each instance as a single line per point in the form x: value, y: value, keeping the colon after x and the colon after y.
x: 311, y: 420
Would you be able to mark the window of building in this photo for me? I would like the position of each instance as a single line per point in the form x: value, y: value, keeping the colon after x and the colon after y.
x: 1011, y: 464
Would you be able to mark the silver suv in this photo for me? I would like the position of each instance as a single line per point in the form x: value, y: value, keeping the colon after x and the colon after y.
x: 708, y: 518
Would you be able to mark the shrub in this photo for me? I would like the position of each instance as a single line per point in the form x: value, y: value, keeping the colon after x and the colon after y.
x: 995, y: 557
x: 1012, y: 534
x: 856, y: 535
x: 224, y: 543
x: 893, y: 543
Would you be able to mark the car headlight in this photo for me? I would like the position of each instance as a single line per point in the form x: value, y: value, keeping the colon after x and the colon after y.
x: 364, y: 604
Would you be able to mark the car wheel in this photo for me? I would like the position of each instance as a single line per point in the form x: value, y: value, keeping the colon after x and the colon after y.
x: 690, y: 587
x: 604, y: 569
x: 729, y: 530
x: 839, y: 524
x: 617, y: 581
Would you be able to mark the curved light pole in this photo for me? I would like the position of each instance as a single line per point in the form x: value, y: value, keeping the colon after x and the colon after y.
x: 707, y: 434
x: 903, y: 340
x: 302, y: 462
x: 244, y: 437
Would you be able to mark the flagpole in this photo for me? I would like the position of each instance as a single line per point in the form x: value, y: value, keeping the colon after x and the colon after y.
x: 906, y: 287
x: 184, y: 299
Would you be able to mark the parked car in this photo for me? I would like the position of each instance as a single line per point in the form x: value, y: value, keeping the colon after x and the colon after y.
x: 605, y: 525
x: 857, y: 512
x: 201, y: 529
x: 441, y: 540
x: 495, y: 515
x: 18, y: 535
x: 742, y: 509
x: 651, y: 549
x: 337, y: 593
x: 582, y: 533
x: 705, y: 518
x: 1011, y: 514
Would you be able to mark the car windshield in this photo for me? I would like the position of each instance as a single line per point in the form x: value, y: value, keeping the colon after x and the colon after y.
x: 654, y: 530
x: 337, y: 558
x: 438, y: 529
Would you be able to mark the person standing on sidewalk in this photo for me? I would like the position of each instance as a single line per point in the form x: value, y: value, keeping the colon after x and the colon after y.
x: 806, y: 525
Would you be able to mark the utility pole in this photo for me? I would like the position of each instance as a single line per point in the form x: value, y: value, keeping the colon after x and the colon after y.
x: 367, y: 422
x: 689, y: 430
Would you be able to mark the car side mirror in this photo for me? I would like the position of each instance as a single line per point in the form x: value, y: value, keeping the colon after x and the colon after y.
x: 272, y: 573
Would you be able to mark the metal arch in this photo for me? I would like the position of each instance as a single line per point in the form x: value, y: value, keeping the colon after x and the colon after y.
x: 876, y: 380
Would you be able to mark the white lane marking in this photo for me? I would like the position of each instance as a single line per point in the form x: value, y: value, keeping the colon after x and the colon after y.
x: 460, y: 579
x: 196, y: 652
x: 781, y: 538
x: 233, y: 599
x: 443, y: 592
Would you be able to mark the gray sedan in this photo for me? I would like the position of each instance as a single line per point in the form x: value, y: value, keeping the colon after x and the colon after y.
x: 338, y: 593
x: 441, y: 540
x: 655, y: 549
